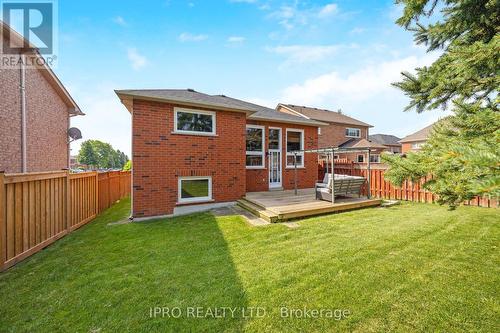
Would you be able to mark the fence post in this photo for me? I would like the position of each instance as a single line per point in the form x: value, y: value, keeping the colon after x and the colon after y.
x: 68, y: 202
x: 96, y: 193
x: 3, y: 238
x: 108, y: 203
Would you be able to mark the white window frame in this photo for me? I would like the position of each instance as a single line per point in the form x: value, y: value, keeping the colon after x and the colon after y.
x: 301, y: 165
x: 355, y: 129
x: 319, y: 130
x: 195, y: 111
x: 257, y: 153
x: 373, y: 155
x: 417, y: 145
x: 357, y: 158
x: 198, y: 199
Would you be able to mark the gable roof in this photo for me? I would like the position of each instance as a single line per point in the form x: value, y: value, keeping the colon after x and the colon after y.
x: 324, y: 115
x: 385, y: 139
x: 16, y: 39
x: 420, y: 135
x: 361, y: 143
x: 194, y: 98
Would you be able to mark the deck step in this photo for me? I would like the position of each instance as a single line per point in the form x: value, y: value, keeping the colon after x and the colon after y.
x: 258, y: 210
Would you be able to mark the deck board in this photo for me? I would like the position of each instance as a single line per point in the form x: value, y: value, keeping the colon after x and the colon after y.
x: 287, y: 205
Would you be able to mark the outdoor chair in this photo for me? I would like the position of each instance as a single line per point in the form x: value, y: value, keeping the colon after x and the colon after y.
x: 344, y: 185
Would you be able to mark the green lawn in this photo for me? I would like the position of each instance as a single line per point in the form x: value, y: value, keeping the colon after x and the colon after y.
x: 412, y: 267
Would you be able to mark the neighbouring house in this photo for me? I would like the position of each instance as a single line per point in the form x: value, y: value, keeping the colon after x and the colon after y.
x: 191, y: 148
x: 338, y: 129
x: 360, y: 158
x: 415, y: 141
x: 35, y: 111
x: 391, y: 142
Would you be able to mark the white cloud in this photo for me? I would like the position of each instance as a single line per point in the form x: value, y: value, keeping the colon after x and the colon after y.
x: 359, y: 85
x: 244, y: 1
x: 120, y: 21
x: 298, y: 13
x: 328, y: 10
x: 137, y: 61
x: 357, y: 30
x: 305, y: 53
x: 188, y: 37
x: 236, y: 39
x: 366, y: 94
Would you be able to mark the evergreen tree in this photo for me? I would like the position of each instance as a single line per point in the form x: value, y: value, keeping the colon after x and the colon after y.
x: 463, y: 152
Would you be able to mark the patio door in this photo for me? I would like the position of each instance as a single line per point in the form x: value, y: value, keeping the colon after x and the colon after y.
x: 274, y: 149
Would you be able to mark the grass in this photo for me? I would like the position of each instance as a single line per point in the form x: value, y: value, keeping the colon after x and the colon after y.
x: 412, y: 267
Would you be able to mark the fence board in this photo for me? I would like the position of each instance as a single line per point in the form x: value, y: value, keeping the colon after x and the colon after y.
x: 36, y: 209
x: 409, y: 191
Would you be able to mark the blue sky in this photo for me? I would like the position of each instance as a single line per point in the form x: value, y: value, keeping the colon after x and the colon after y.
x: 340, y: 54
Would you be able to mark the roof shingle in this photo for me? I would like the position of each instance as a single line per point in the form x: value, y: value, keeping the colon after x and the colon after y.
x: 326, y: 115
x: 385, y: 139
x: 192, y: 97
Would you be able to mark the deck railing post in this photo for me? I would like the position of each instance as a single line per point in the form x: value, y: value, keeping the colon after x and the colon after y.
x: 3, y: 237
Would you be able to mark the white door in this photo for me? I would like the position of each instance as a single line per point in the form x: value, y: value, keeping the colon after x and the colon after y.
x: 274, y: 149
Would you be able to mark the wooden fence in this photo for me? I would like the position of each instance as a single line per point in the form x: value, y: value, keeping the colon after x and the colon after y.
x: 409, y: 191
x: 36, y: 209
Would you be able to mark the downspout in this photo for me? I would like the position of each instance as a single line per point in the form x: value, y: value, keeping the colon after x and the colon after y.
x: 22, y: 88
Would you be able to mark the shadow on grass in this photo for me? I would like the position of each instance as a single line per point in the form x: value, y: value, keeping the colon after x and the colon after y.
x: 110, y: 278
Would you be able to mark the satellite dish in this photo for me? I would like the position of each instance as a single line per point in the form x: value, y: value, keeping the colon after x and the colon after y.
x: 74, y: 133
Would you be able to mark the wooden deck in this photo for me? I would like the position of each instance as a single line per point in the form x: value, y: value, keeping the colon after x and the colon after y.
x: 277, y: 206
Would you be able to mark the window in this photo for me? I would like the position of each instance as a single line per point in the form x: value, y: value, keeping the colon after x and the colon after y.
x: 335, y: 157
x: 195, y: 189
x: 319, y: 130
x: 191, y: 121
x: 274, y: 138
x: 353, y: 132
x: 375, y: 158
x: 255, y: 146
x: 417, y: 145
x: 294, y: 142
x: 361, y: 158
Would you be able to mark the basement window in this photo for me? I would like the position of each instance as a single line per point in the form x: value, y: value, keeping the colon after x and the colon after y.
x: 255, y: 147
x: 190, y: 121
x: 195, y: 189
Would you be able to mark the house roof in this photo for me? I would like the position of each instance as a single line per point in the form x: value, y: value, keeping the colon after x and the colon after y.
x: 194, y: 98
x: 385, y: 139
x: 324, y: 115
x: 361, y: 143
x: 16, y: 39
x: 421, y: 135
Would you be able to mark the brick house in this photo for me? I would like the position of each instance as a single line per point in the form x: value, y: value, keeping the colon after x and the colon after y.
x: 192, y: 148
x: 35, y: 111
x: 340, y: 131
x: 415, y: 141
x: 391, y: 142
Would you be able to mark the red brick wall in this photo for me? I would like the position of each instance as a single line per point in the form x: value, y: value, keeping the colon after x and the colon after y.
x: 258, y: 180
x: 406, y: 147
x: 160, y: 157
x: 47, y: 123
x: 334, y: 134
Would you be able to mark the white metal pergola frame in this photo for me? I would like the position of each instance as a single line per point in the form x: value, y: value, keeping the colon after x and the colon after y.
x: 330, y: 153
